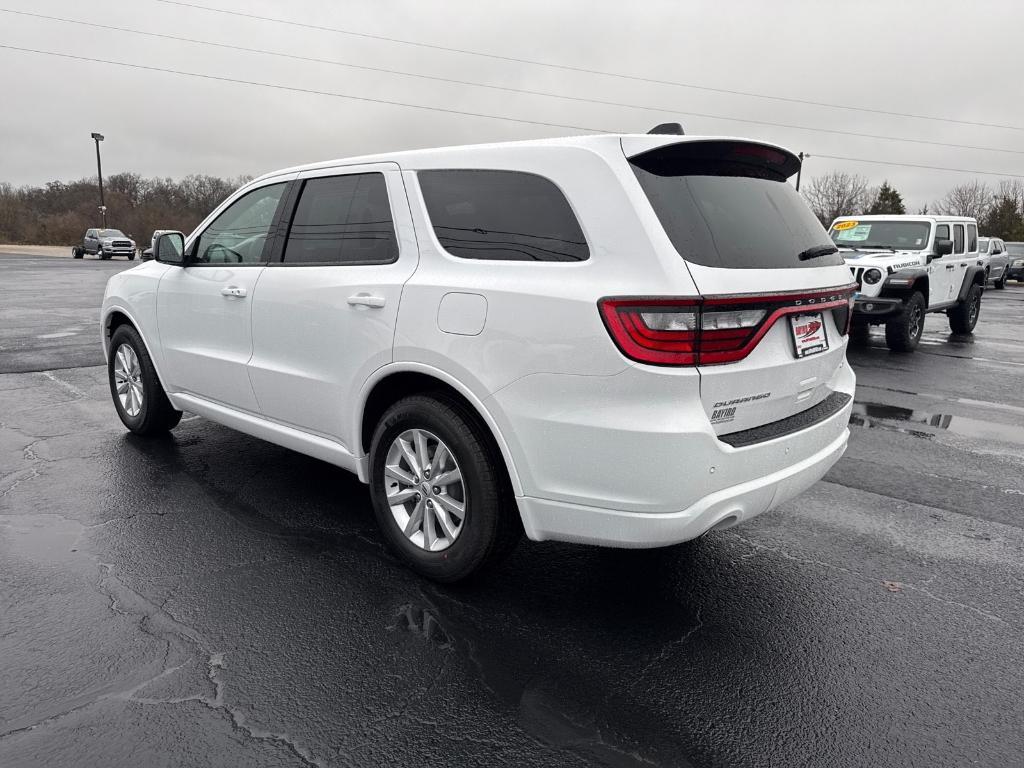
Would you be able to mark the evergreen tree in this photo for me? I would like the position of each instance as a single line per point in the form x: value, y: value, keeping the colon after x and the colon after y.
x: 887, y: 201
x: 1004, y: 220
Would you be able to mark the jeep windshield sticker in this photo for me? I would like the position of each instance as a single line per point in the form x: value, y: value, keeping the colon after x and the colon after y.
x: 842, y: 225
x: 855, y: 234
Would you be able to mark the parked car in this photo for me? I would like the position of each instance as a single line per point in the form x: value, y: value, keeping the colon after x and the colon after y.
x: 147, y: 254
x: 997, y: 261
x: 105, y: 243
x: 1015, y: 270
x: 908, y: 266
x: 626, y: 340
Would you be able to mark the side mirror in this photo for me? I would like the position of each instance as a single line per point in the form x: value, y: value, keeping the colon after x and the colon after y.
x: 169, y: 248
x: 147, y: 255
x: 943, y: 247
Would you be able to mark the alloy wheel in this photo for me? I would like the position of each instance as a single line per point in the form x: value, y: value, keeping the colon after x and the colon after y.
x: 128, y: 380
x: 425, y: 490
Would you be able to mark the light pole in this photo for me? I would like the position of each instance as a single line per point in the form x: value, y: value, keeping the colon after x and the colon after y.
x: 799, y: 170
x: 98, y: 137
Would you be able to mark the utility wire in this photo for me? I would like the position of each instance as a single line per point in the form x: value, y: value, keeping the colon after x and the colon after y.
x: 661, y: 110
x: 301, y: 90
x: 438, y: 109
x: 913, y: 165
x: 604, y: 73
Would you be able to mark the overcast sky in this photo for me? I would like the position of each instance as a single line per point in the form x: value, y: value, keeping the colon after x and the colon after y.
x: 913, y: 57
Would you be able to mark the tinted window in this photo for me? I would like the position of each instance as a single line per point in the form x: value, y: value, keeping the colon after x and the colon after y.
x: 343, y: 220
x: 238, y: 235
x: 958, y: 238
x: 504, y: 215
x: 972, y: 238
x: 726, y: 204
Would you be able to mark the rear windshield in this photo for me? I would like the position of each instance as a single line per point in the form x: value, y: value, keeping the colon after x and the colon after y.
x: 727, y: 204
x: 897, y: 235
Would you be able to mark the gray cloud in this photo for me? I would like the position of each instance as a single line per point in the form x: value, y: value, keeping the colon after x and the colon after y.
x: 905, y: 57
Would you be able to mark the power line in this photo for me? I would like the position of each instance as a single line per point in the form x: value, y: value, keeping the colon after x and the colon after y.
x: 570, y: 68
x: 914, y: 165
x: 526, y: 91
x: 301, y: 90
x: 439, y: 109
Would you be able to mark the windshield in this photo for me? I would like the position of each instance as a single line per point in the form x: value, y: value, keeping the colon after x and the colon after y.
x: 983, y: 245
x: 898, y: 235
x: 111, y: 233
x: 722, y: 206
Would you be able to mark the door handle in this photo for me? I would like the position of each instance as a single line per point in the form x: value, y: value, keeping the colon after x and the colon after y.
x: 366, y: 300
x: 949, y: 266
x: 964, y: 265
x: 232, y: 290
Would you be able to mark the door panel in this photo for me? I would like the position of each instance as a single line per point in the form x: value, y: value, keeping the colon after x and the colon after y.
x: 204, y: 309
x: 324, y: 318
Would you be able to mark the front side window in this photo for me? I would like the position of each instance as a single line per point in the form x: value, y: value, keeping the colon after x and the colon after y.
x: 502, y: 215
x: 972, y: 238
x: 239, y: 234
x: 958, y: 238
x: 343, y: 220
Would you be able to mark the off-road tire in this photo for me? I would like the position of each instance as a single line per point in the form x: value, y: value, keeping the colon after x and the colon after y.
x: 964, y: 316
x: 157, y: 416
x: 904, y: 333
x: 860, y: 332
x: 492, y: 525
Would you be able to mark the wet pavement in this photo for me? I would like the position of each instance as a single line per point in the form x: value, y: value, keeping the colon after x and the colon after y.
x: 212, y: 600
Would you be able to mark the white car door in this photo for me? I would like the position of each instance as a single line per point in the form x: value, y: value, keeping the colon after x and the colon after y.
x: 944, y: 269
x: 325, y: 309
x: 204, y: 309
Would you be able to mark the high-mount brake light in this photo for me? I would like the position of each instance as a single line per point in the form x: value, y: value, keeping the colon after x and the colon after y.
x: 713, y: 330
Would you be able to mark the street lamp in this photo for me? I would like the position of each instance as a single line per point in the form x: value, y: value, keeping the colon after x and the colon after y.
x: 98, y: 137
x: 799, y: 170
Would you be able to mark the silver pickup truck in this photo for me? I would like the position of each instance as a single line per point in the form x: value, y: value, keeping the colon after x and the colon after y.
x: 105, y: 243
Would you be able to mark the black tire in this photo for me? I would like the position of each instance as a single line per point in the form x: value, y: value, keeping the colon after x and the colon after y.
x: 106, y: 256
x: 131, y: 257
x: 964, y: 316
x: 491, y: 527
x: 860, y: 332
x: 156, y: 416
x: 904, y: 333
x: 1000, y: 284
x: 77, y: 253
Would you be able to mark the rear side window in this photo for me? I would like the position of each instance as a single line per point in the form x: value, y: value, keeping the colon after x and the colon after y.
x: 342, y: 220
x: 726, y: 204
x: 958, y: 238
x: 972, y: 238
x: 502, y: 215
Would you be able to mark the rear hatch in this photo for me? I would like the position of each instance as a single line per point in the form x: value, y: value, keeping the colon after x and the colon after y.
x: 775, y: 297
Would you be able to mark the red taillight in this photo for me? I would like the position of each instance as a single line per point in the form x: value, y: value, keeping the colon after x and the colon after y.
x: 706, y: 331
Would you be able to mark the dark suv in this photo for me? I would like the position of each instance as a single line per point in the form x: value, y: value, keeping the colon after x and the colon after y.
x: 105, y: 243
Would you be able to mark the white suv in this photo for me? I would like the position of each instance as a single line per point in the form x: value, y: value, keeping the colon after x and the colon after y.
x: 908, y: 266
x: 620, y: 340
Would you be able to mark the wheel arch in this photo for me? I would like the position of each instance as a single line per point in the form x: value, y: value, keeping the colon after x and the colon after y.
x: 113, y: 318
x: 920, y: 285
x: 975, y: 276
x: 391, y: 383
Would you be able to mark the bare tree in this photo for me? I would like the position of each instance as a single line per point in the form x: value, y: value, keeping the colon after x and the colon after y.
x: 1012, y: 189
x: 971, y: 199
x: 836, y: 194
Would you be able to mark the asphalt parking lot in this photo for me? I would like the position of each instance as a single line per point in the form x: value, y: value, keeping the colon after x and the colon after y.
x: 213, y: 600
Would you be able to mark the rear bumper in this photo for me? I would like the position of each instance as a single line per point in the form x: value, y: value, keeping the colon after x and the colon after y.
x: 878, y: 308
x: 544, y: 519
x: 604, y: 460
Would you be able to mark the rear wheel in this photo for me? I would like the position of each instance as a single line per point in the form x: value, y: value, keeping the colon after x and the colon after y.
x: 860, y: 332
x: 138, y: 396
x: 964, y: 316
x: 1001, y: 282
x: 77, y: 252
x: 904, y: 333
x: 439, y: 489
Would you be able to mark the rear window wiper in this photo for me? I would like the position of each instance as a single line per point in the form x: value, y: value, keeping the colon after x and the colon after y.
x: 816, y: 252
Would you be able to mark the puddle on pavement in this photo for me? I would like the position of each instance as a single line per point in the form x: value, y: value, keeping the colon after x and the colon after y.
x: 878, y: 415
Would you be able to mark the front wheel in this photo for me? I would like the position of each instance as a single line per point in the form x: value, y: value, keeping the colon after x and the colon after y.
x: 964, y: 316
x: 138, y: 396
x: 439, y: 489
x: 105, y: 256
x: 904, y: 333
x: 131, y: 256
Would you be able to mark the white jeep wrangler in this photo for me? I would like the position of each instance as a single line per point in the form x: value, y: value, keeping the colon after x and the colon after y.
x: 907, y: 266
